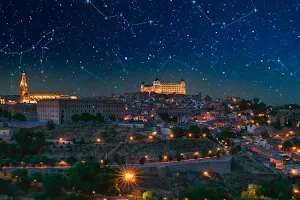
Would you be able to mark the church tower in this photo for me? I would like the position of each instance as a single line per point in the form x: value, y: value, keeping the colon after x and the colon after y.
x: 23, y: 89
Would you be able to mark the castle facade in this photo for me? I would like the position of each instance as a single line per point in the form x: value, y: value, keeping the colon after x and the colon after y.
x: 160, y: 87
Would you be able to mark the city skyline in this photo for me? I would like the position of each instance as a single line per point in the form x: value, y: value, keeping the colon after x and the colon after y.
x: 93, y: 48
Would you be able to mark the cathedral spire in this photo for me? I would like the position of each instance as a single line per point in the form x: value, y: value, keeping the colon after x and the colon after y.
x: 23, y: 80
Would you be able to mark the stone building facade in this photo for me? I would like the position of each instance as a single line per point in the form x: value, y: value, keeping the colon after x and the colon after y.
x: 62, y: 110
x: 160, y: 87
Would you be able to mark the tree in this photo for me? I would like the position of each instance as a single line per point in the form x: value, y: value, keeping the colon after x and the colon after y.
x: 40, y: 196
x: 99, y: 118
x: 233, y: 150
x: 147, y: 195
x: 279, y: 189
x: 194, y: 130
x: 178, y: 132
x: 86, y: 117
x: 36, y: 177
x: 201, y: 191
x: 42, y: 160
x: 19, y: 117
x: 76, y: 118
x: 72, y: 196
x: 90, y: 176
x: 265, y: 135
x: 5, y: 187
x: 256, y: 100
x: 50, y: 125
x: 21, y: 178
x: 30, y: 142
x: 226, y: 134
x: 254, y: 192
x: 142, y: 161
x: 71, y: 160
x: 52, y: 184
x: 205, y: 130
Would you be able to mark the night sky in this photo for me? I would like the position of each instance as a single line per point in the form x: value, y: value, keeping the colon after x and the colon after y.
x: 247, y: 48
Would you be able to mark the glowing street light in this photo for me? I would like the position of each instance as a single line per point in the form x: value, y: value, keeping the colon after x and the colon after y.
x: 205, y: 173
x: 61, y: 139
x: 172, y: 136
x: 204, y: 135
x: 62, y: 163
x: 165, y: 157
x: 150, y: 137
x: 128, y: 176
x: 98, y: 140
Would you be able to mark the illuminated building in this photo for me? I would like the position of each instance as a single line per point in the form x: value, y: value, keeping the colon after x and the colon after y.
x: 164, y: 87
x: 2, y: 101
x: 25, y: 97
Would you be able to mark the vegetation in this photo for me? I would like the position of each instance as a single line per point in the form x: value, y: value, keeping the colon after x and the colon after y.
x: 265, y: 135
x: 147, y: 195
x: 76, y: 118
x: 50, y: 125
x: 254, y: 192
x: 255, y: 104
x: 167, y: 118
x: 5, y: 114
x: 29, y: 141
x: 52, y: 184
x: 276, y: 125
x: 20, y: 176
x: 89, y: 176
x: 202, y: 191
x: 288, y: 144
x: 19, y: 117
x: 224, y: 135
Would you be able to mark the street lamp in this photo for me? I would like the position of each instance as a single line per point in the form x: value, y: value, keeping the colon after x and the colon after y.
x: 128, y: 176
x: 165, y: 158
x: 131, y: 138
x: 98, y: 140
x: 205, y: 173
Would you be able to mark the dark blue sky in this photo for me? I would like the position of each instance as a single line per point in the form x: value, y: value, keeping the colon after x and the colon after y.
x: 221, y: 48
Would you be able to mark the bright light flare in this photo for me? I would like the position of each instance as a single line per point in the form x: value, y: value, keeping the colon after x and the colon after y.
x: 129, y: 176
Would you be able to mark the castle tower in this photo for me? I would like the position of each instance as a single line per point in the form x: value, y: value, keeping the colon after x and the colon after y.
x: 182, y: 87
x: 157, y: 86
x: 23, y: 89
x: 143, y: 87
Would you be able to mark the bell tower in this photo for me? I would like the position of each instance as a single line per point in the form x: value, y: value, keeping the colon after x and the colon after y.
x: 23, y: 89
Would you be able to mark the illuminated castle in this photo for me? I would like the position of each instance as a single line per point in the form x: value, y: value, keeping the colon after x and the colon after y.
x: 164, y: 87
x: 25, y: 97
